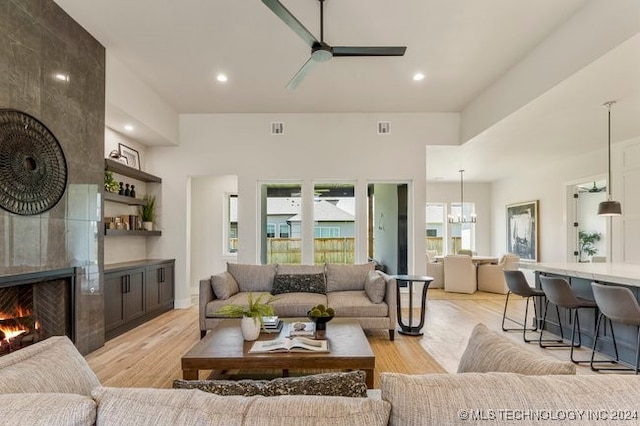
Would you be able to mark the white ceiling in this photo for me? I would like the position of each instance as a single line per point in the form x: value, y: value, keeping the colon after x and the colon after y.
x: 462, y: 46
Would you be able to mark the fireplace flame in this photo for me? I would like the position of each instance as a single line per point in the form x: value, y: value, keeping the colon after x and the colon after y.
x: 11, y: 330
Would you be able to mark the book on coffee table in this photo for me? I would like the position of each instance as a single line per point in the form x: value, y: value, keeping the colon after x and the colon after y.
x: 300, y: 329
x: 271, y: 326
x: 296, y: 344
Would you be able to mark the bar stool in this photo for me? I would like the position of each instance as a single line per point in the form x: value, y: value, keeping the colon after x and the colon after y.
x: 617, y: 304
x: 518, y: 285
x: 559, y: 292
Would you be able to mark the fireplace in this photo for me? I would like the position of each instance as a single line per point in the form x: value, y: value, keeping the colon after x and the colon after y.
x: 36, y: 306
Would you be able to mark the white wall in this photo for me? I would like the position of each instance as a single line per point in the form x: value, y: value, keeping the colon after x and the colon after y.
x: 314, y: 147
x: 548, y: 184
x: 208, y: 250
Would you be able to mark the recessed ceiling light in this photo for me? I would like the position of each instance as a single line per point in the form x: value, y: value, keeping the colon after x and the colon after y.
x: 222, y: 78
x: 62, y: 77
x: 418, y: 76
x: 128, y: 127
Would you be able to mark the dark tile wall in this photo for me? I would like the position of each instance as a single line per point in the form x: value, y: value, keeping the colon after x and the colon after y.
x: 38, y: 40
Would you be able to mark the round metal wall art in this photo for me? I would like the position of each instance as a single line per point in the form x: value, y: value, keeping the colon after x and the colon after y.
x: 33, y: 169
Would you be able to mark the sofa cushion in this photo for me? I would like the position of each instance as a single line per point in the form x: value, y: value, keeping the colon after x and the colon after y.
x: 290, y: 305
x: 252, y: 277
x: 186, y: 407
x: 47, y: 409
x: 284, y: 268
x: 351, y: 384
x: 296, y: 283
x: 375, y: 286
x: 52, y: 365
x: 224, y: 285
x: 347, y: 277
x: 490, y: 352
x: 355, y: 304
x: 463, y: 399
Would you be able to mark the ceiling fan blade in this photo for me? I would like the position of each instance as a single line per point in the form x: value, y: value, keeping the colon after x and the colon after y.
x: 302, y: 72
x: 369, y: 51
x: 291, y: 21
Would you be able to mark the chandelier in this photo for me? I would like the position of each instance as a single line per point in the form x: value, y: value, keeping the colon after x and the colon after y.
x: 462, y: 218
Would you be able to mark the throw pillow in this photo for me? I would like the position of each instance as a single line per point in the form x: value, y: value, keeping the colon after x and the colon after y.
x: 66, y: 409
x: 252, y: 278
x: 52, y: 365
x: 299, y: 283
x: 490, y: 352
x: 349, y: 384
x: 224, y: 285
x: 347, y: 277
x: 375, y: 286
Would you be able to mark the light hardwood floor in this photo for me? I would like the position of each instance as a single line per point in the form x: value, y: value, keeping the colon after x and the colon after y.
x: 149, y: 355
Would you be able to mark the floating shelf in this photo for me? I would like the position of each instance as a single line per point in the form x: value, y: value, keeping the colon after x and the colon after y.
x: 117, y: 167
x: 110, y: 196
x: 129, y: 233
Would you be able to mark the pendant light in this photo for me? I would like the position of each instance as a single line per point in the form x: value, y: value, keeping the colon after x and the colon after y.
x: 609, y: 207
x: 462, y: 218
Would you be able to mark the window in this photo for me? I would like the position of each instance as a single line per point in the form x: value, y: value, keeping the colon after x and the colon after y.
x: 435, y: 228
x: 271, y: 230
x: 334, y: 223
x: 281, y: 219
x: 232, y: 223
x: 284, y: 230
x: 326, y: 232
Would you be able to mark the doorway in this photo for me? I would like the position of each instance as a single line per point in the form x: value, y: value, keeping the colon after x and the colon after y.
x: 589, y: 237
x: 388, y: 226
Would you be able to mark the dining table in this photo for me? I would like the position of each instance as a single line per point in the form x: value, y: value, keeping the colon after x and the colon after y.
x: 476, y: 259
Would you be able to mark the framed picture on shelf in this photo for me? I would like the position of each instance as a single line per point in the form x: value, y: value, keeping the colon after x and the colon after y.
x: 523, y: 230
x: 131, y: 155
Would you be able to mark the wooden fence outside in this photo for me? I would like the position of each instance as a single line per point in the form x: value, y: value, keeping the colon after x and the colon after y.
x: 329, y: 250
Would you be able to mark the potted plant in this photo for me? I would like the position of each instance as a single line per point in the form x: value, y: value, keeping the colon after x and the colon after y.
x: 251, y: 314
x: 148, y: 212
x: 586, y: 244
x: 110, y: 184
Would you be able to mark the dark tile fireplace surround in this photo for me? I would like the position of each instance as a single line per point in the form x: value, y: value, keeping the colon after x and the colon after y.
x: 56, y: 255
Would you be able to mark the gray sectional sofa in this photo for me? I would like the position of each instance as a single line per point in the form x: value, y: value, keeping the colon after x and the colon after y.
x: 49, y: 383
x: 355, y: 291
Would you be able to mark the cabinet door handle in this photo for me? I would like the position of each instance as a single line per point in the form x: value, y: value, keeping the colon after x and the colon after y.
x: 123, y: 284
x: 128, y: 283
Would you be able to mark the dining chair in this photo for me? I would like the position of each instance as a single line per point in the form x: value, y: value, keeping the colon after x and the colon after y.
x: 491, y: 276
x: 459, y: 274
x: 436, y: 271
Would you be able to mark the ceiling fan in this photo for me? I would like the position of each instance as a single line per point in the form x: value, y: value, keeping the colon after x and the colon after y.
x: 592, y: 189
x: 321, y: 51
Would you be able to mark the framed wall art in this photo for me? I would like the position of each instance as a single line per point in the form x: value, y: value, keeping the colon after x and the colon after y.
x: 522, y: 230
x: 131, y: 155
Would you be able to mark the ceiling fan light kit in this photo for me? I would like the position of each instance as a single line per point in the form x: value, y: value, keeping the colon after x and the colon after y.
x: 321, y: 51
x: 609, y: 207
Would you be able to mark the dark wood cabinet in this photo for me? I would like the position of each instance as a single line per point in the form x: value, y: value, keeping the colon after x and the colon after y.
x: 136, y: 292
x: 124, y: 297
x: 160, y: 287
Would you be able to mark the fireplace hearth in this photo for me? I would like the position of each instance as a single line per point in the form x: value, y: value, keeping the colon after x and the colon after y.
x: 36, y: 306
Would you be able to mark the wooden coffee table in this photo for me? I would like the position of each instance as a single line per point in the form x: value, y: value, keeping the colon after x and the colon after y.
x: 223, y: 348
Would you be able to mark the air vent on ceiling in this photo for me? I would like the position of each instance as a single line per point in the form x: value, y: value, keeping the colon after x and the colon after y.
x: 277, y: 128
x: 384, y: 127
